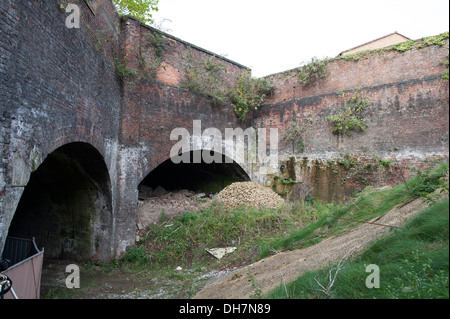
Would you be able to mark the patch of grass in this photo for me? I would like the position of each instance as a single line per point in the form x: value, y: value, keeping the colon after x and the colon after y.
x: 366, y: 206
x: 260, y: 232
x: 413, y: 263
x: 182, y: 241
x: 427, y: 180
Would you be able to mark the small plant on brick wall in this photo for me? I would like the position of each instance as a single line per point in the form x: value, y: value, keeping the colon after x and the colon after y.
x: 248, y: 94
x: 122, y: 69
x: 295, y: 133
x: 349, y: 118
x: 311, y: 71
x: 158, y: 43
x: 205, y: 77
x: 445, y: 74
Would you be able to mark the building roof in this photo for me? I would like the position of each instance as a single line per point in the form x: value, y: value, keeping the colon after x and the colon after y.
x: 377, y: 40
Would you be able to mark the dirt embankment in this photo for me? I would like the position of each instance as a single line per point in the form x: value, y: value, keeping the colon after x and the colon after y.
x: 287, y: 266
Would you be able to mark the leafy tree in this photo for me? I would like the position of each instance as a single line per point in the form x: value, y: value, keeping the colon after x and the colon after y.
x: 140, y: 9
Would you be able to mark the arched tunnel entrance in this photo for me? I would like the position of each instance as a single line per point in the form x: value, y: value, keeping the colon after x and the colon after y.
x: 172, y: 189
x: 197, y: 177
x: 67, y: 205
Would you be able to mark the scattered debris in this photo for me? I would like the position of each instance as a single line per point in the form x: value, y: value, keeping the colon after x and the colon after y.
x: 159, y: 204
x: 220, y: 252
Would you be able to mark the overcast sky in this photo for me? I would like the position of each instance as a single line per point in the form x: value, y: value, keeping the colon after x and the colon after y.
x: 275, y: 36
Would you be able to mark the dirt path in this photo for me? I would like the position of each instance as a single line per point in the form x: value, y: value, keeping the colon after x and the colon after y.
x: 287, y: 266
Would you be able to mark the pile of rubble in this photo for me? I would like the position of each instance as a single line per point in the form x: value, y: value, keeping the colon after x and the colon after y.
x: 155, y: 205
x: 158, y: 204
x: 248, y: 194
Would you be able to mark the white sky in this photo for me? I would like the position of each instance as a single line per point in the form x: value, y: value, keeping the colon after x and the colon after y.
x: 274, y: 36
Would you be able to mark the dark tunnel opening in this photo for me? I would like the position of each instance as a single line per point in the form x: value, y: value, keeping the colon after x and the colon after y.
x: 198, y: 177
x: 67, y: 205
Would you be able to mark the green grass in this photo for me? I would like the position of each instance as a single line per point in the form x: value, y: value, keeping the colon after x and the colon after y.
x: 413, y: 263
x: 258, y: 232
x: 183, y: 240
x: 368, y: 205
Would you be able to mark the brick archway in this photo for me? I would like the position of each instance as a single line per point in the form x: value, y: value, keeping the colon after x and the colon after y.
x: 67, y: 205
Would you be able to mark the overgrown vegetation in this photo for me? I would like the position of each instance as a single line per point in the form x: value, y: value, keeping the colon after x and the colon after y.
x: 413, y: 263
x: 311, y: 71
x: 122, y: 69
x: 368, y: 205
x: 182, y: 241
x: 445, y: 74
x: 439, y: 39
x: 147, y: 67
x: 427, y: 181
x: 158, y: 44
x: 248, y: 94
x: 260, y: 232
x: 349, y: 118
x: 206, y: 76
x: 413, y: 260
x: 295, y: 133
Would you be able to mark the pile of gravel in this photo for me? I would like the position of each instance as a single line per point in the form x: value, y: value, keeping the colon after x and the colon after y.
x: 248, y: 194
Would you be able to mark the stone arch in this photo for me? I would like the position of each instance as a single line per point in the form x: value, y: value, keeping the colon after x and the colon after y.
x: 196, y: 174
x: 67, y: 205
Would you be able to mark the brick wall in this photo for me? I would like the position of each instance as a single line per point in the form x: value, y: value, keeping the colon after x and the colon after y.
x: 57, y: 85
x: 156, y: 103
x: 407, y: 118
x: 60, y: 85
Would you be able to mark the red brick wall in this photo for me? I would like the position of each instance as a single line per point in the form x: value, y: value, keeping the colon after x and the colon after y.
x: 408, y: 110
x: 372, y: 70
x: 59, y: 85
x: 408, y: 118
x: 155, y: 104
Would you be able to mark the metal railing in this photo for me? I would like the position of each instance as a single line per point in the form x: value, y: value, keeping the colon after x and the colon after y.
x: 23, y: 262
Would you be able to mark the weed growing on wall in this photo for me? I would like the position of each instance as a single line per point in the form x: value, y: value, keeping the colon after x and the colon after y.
x: 248, y: 94
x: 206, y: 76
x: 295, y: 133
x: 349, y: 118
x: 440, y: 40
x: 158, y: 43
x: 311, y: 71
x: 122, y: 69
x: 445, y: 74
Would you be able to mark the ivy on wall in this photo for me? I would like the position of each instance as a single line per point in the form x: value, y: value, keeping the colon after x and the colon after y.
x: 205, y: 76
x: 248, y: 94
x: 311, y: 71
x: 349, y: 118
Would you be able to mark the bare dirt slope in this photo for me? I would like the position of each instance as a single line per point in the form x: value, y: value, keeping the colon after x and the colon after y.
x: 287, y: 266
